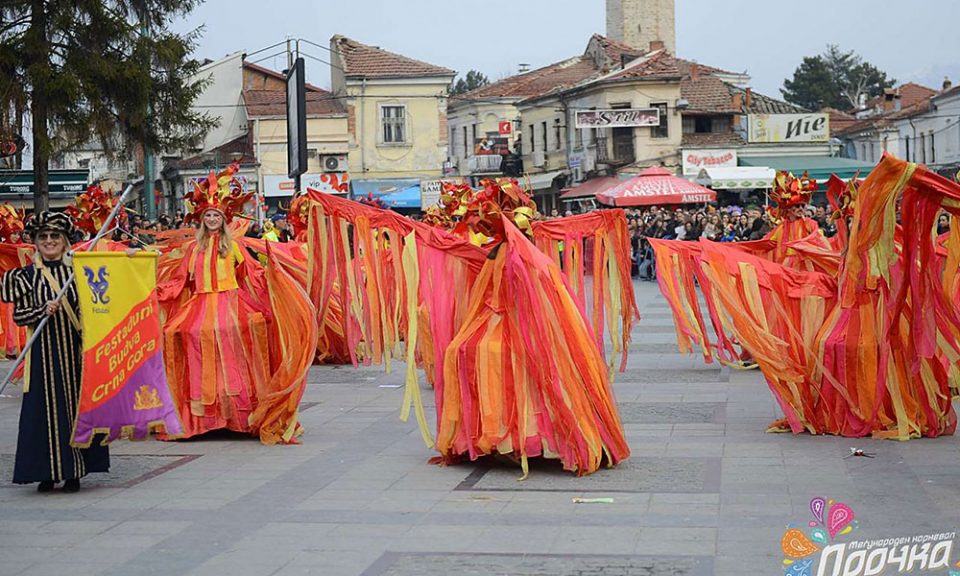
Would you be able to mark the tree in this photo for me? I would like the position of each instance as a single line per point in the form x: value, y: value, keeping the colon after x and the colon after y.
x: 834, y: 79
x: 88, y: 70
x: 471, y: 81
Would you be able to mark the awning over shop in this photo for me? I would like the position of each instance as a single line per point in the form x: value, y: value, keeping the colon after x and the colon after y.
x: 590, y: 188
x: 18, y: 184
x: 378, y: 188
x: 737, y: 178
x: 540, y: 181
x: 406, y: 198
x: 818, y: 167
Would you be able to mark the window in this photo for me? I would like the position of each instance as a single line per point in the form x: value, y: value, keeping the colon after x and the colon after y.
x: 544, y: 126
x: 720, y: 124
x: 933, y: 149
x: 533, y: 139
x: 863, y: 151
x: 466, y: 146
x: 663, y: 130
x: 689, y: 125
x: 923, y: 148
x: 474, y: 133
x: 578, y: 138
x: 393, y: 121
x: 556, y: 133
x: 907, y: 149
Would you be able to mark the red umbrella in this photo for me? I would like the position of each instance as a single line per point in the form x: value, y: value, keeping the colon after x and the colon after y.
x: 654, y: 186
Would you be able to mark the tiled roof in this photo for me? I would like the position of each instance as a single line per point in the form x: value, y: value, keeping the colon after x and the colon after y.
x: 864, y: 125
x: 222, y: 155
x: 361, y: 61
x: 274, y: 74
x: 760, y: 104
x: 615, y: 49
x: 910, y: 93
x: 536, y: 82
x: 657, y: 65
x: 839, y: 120
x: 921, y: 107
x: 707, y: 94
x: 685, y: 66
x: 711, y: 140
x: 264, y: 103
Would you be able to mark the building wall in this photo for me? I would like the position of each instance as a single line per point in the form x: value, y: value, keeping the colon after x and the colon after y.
x: 640, y: 22
x: 425, y: 149
x: 549, y: 111
x: 326, y: 135
x: 222, y: 99
x: 648, y: 150
x: 934, y: 137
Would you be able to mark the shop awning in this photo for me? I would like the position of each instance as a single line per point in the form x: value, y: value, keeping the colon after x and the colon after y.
x: 18, y: 184
x: 590, y: 188
x: 737, y: 177
x: 540, y: 181
x: 818, y: 167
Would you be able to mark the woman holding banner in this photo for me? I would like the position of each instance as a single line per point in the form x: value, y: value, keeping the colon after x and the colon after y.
x: 237, y: 337
x: 52, y: 382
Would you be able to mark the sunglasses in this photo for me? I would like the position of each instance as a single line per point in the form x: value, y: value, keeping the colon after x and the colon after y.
x: 49, y: 236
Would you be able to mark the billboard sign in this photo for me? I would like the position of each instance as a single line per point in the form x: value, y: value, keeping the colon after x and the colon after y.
x: 619, y: 118
x: 789, y: 128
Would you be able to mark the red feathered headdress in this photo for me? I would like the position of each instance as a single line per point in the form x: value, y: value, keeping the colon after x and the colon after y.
x: 790, y: 191
x: 222, y: 192
x: 11, y: 221
x: 92, y: 208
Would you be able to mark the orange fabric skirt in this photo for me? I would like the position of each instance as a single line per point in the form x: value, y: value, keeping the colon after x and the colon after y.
x: 217, y: 361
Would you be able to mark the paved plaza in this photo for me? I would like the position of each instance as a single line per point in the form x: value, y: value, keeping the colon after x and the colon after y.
x: 706, y: 490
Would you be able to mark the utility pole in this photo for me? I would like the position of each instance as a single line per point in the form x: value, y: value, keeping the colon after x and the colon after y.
x: 149, y: 198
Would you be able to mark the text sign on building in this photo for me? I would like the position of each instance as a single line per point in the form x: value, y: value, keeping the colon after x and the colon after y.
x: 275, y: 185
x: 695, y: 160
x: 505, y: 127
x: 622, y: 118
x: 779, y: 128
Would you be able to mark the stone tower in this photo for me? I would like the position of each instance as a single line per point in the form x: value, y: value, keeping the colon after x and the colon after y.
x: 640, y: 22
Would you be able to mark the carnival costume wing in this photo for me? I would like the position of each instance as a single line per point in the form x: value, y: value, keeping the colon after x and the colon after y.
x: 872, y: 350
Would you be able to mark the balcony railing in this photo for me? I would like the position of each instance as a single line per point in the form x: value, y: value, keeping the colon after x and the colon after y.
x: 484, y: 164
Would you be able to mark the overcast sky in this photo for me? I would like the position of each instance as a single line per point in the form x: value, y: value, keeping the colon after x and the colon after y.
x: 917, y: 41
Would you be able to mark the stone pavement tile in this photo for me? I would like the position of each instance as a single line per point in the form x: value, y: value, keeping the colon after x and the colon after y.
x: 9, y: 526
x: 446, y: 538
x: 319, y: 563
x: 134, y: 527
x: 49, y: 541
x: 471, y: 502
x: 78, y: 569
x: 593, y: 540
x: 236, y: 567
x: 639, y: 449
x: 739, y: 565
x: 13, y: 567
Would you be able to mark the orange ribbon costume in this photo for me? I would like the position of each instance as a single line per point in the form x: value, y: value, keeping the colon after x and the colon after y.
x: 869, y: 350
x: 238, y: 336
x: 499, y: 329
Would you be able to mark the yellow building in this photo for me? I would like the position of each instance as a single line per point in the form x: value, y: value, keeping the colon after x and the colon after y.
x: 396, y: 116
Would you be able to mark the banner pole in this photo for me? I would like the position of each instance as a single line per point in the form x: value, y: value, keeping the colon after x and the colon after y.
x: 63, y: 291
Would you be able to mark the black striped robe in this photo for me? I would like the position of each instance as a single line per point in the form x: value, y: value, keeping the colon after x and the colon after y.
x: 53, y: 371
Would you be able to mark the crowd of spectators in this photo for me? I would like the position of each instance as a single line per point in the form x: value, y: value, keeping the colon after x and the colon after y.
x: 727, y: 224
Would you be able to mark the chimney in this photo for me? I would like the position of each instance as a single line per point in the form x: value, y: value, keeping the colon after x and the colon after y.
x: 694, y: 71
x: 656, y: 45
x: 947, y: 84
x: 749, y: 98
x: 737, y: 101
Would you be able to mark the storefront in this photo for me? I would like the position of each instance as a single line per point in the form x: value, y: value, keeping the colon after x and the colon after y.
x: 17, y: 187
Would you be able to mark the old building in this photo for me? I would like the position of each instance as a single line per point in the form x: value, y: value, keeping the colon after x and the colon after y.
x: 396, y: 110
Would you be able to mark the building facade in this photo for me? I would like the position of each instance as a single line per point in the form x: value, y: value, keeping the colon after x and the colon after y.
x: 396, y: 116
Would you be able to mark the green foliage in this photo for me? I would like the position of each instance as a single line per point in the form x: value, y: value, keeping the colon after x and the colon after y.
x: 89, y: 72
x: 471, y: 81
x: 834, y: 79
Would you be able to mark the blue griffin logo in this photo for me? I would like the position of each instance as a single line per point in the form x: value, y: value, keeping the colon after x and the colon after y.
x: 98, y: 285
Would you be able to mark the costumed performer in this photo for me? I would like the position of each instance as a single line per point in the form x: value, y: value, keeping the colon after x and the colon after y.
x: 13, y: 254
x: 52, y: 383
x: 229, y: 351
